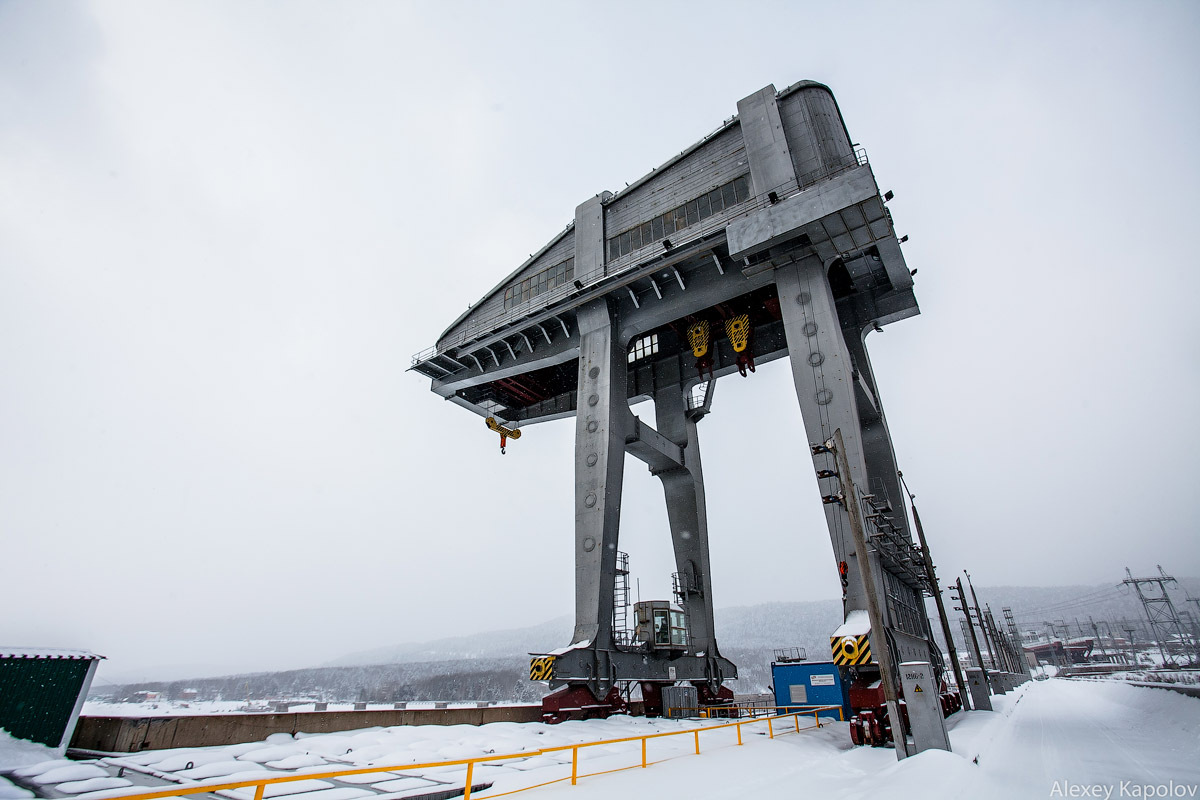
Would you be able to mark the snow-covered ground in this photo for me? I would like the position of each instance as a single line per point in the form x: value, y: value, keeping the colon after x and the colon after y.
x: 18, y: 752
x: 169, y: 708
x: 1043, y: 739
x: 1168, y: 676
x: 163, y: 708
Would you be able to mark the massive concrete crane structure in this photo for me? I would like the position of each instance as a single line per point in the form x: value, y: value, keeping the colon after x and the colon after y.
x: 766, y: 239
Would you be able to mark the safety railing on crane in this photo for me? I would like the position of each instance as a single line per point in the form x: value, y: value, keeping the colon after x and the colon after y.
x: 260, y: 784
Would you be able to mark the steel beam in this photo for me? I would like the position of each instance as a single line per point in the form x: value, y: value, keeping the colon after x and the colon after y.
x: 687, y: 514
x: 659, y: 452
x: 823, y: 375
x: 603, y: 423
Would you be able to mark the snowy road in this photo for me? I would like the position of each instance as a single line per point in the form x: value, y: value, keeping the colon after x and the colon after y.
x: 1044, y: 740
x: 1094, y: 733
x: 1075, y: 734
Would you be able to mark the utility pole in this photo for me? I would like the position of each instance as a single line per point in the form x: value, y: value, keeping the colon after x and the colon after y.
x: 931, y: 575
x: 982, y: 626
x: 1132, y: 653
x: 1055, y: 637
x: 962, y: 623
x: 998, y: 638
x: 966, y: 609
x: 1100, y: 641
x: 989, y: 630
x: 1194, y: 601
x: 1194, y: 628
x: 879, y: 642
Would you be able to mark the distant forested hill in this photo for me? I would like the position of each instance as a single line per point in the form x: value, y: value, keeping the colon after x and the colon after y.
x: 494, y: 666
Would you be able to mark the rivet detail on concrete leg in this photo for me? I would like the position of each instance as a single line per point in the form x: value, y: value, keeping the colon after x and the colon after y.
x: 810, y: 329
x: 815, y: 359
x: 590, y: 500
x: 592, y: 426
x: 593, y: 372
x: 591, y: 459
x: 824, y: 397
x: 593, y: 399
x: 589, y: 544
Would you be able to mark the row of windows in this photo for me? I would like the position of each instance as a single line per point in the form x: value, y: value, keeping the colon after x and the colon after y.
x: 645, y: 346
x: 677, y: 219
x: 544, y: 281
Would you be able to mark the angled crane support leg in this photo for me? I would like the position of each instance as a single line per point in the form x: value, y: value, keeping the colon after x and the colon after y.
x: 684, y: 490
x: 823, y: 374
x: 880, y: 458
x: 878, y: 453
x: 601, y: 427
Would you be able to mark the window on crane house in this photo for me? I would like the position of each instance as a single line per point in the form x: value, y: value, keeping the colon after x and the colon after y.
x: 679, y: 631
x: 645, y: 346
x: 550, y: 278
x: 696, y: 210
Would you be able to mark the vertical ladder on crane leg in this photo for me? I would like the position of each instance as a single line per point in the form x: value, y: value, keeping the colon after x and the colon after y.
x: 621, y: 633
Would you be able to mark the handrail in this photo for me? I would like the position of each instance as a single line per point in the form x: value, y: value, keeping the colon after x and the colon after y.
x: 695, y: 731
x: 260, y: 784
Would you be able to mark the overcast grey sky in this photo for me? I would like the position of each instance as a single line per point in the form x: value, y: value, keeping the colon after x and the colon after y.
x: 225, y: 228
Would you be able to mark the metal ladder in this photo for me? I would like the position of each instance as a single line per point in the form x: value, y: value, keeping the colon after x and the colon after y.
x: 622, y: 635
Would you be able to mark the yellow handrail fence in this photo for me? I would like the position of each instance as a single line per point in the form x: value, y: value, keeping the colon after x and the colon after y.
x: 261, y: 784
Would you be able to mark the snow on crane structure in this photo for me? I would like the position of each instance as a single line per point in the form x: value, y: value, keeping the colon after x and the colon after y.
x: 768, y: 238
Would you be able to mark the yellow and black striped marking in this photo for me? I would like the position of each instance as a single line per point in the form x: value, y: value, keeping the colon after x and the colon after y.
x: 541, y: 668
x: 698, y: 337
x: 738, y: 331
x: 851, y: 651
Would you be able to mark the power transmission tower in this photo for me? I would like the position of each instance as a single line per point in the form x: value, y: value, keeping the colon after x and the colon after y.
x: 1016, y: 638
x: 1160, y: 611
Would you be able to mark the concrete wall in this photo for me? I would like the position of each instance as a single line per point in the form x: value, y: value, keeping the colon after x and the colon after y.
x: 131, y: 734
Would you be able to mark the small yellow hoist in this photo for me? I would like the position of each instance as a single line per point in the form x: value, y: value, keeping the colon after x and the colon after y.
x: 505, y: 433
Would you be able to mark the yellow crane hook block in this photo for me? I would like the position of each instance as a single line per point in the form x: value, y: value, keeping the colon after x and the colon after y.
x: 505, y: 433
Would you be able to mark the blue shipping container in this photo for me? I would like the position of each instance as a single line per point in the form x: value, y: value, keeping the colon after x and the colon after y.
x: 816, y: 683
